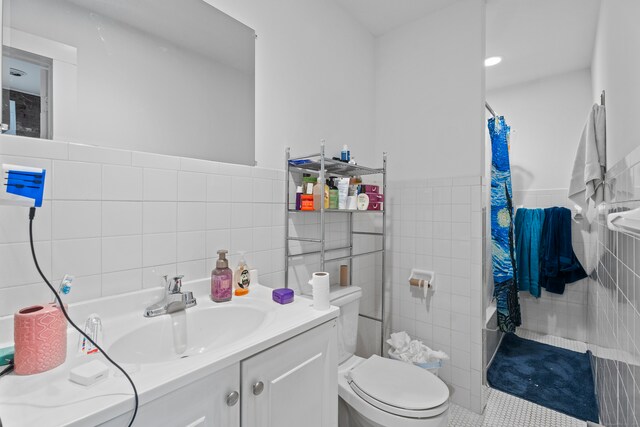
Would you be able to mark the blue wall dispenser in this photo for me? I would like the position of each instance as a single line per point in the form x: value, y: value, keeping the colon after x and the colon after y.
x: 23, y: 186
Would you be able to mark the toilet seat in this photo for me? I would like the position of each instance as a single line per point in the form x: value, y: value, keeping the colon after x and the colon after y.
x: 399, y: 388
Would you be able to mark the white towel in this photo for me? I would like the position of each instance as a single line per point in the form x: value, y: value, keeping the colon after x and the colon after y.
x: 587, y: 179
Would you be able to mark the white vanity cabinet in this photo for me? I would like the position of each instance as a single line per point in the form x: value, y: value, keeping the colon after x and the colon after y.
x: 293, y: 384
x: 208, y: 402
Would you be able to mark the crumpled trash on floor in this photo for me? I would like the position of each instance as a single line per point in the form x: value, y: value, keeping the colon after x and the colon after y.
x: 414, y: 351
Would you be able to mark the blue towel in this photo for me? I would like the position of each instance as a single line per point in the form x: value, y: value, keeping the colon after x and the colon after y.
x: 528, y: 233
x: 558, y: 263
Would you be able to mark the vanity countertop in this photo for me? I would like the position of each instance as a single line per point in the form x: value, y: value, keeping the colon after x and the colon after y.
x: 51, y: 399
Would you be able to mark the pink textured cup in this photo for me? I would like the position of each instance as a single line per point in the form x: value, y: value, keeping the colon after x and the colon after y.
x: 40, y: 335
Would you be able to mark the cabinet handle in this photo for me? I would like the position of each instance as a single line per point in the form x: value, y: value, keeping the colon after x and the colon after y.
x: 232, y: 398
x: 258, y: 387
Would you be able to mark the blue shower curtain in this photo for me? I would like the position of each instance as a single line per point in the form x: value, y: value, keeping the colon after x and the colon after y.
x: 505, y: 286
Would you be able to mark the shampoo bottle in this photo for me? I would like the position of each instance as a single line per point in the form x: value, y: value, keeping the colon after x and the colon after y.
x: 221, y: 279
x: 241, y: 279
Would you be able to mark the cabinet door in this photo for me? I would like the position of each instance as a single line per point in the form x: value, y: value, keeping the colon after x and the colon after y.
x: 203, y: 403
x: 293, y: 384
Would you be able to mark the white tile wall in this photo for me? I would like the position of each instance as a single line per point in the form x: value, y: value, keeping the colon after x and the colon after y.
x: 614, y: 304
x: 559, y: 315
x: 118, y: 220
x: 432, y: 227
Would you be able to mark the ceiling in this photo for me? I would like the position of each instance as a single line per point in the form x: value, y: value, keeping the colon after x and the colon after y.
x: 381, y: 16
x: 539, y: 38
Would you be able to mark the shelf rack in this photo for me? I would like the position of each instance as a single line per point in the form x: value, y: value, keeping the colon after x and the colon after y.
x: 319, y: 165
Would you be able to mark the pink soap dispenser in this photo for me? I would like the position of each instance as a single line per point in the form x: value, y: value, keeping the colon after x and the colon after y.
x: 221, y: 279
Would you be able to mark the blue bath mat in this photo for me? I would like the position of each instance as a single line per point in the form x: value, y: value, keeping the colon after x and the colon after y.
x: 550, y: 376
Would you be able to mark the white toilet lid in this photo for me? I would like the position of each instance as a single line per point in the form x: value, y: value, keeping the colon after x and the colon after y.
x: 399, y: 387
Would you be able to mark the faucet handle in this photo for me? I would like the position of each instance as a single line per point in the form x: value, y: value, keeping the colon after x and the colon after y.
x: 175, y: 285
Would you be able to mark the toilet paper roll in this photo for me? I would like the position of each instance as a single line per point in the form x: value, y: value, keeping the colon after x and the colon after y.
x: 40, y: 334
x: 320, y: 284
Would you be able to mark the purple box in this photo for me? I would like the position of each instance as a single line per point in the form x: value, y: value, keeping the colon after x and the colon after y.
x: 282, y: 295
x: 368, y: 188
x: 375, y: 198
x: 374, y: 206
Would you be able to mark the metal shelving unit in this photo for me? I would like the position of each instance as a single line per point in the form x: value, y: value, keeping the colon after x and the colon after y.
x: 324, y: 168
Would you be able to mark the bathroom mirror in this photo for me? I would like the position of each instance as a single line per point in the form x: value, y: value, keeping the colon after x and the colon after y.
x: 162, y: 76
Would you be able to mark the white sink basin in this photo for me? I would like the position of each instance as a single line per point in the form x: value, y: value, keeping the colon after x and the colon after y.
x: 186, y: 333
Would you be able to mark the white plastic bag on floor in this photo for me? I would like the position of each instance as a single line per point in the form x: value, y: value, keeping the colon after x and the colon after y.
x: 414, y: 351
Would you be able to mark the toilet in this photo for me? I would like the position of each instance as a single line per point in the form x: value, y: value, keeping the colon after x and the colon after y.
x: 381, y: 392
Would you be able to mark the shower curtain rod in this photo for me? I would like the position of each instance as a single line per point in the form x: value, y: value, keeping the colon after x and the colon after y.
x: 493, y: 113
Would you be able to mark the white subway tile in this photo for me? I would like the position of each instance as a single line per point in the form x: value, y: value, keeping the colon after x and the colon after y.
x: 194, y: 270
x: 218, y: 216
x: 191, y: 246
x: 218, y: 188
x: 461, y: 195
x: 158, y: 249
x: 94, y: 154
x: 216, y: 240
x: 192, y: 187
x: 262, y: 190
x: 19, y: 297
x: 84, y: 288
x: 14, y: 224
x: 121, y: 183
x: 156, y: 161
x: 261, y: 239
x: 241, y: 189
x: 460, y: 340
x: 33, y: 147
x: 257, y: 172
x: 121, y: 281
x: 199, y: 165
x: 278, y: 188
x: 121, y: 253
x: 121, y: 218
x: 76, y: 181
x: 241, y: 240
x: 76, y: 219
x: 192, y: 216
x: 160, y: 185
x: 262, y: 215
x: 78, y: 257
x: 235, y: 170
x: 16, y: 263
x: 241, y: 215
x: 159, y: 217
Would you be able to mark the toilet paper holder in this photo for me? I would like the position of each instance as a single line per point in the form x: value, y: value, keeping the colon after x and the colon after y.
x: 422, y: 278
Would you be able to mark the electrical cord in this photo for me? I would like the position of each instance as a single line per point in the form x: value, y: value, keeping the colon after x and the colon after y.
x: 32, y: 214
x: 6, y: 371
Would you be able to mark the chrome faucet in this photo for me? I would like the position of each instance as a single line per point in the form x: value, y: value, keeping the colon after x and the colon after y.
x: 174, y: 299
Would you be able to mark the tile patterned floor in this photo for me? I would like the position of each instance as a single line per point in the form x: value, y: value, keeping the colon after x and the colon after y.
x: 504, y: 410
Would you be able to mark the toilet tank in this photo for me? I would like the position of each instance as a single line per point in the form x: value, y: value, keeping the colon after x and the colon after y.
x: 348, y: 300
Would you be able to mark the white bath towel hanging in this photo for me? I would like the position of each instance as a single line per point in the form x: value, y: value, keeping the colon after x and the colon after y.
x: 587, y: 179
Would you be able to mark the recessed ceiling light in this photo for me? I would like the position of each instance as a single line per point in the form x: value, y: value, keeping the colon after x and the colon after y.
x: 491, y: 61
